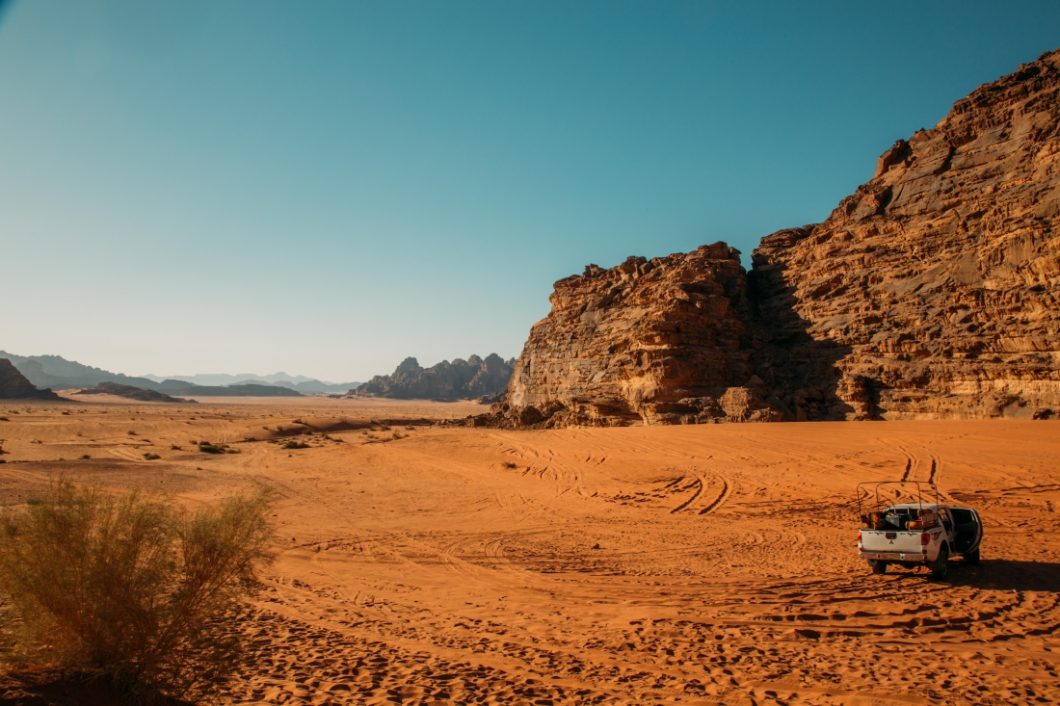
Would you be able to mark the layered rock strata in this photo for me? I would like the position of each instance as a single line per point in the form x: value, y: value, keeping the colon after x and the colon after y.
x: 932, y: 291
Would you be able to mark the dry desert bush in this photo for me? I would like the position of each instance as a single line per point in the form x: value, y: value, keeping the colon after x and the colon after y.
x: 128, y: 587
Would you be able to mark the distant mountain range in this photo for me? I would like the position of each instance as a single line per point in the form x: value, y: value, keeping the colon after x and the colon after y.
x: 300, y: 383
x: 58, y: 373
x: 132, y: 393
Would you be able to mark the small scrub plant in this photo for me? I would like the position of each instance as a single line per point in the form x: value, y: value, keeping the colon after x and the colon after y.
x: 151, y: 456
x: 209, y: 448
x: 129, y: 588
x: 292, y: 444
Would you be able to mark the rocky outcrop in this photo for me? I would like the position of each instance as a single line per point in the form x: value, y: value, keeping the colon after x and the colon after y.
x: 661, y: 340
x: 14, y: 385
x: 932, y: 291
x: 457, y: 380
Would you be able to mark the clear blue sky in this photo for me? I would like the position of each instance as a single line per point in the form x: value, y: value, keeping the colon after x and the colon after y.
x: 327, y: 187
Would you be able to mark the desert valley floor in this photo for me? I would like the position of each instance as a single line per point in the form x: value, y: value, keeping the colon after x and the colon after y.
x: 711, y: 564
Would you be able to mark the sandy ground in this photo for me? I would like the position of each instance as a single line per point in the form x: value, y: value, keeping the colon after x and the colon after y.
x: 711, y: 564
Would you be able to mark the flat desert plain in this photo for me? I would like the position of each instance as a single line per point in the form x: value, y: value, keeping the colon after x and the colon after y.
x: 708, y: 564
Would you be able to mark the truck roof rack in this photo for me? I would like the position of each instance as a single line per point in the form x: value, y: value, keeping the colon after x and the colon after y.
x: 870, y: 489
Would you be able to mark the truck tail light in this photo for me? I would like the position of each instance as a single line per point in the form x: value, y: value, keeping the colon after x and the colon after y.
x: 859, y: 538
x: 925, y: 538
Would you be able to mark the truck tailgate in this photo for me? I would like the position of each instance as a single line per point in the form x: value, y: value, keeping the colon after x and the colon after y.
x: 904, y: 541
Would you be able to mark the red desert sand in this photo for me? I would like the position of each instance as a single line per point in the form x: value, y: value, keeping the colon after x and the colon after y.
x: 708, y: 564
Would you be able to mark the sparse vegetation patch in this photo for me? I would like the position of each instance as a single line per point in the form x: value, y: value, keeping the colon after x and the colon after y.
x: 207, y: 447
x: 128, y: 588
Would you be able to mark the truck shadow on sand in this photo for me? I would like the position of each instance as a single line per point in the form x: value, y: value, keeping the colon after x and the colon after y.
x: 996, y: 574
x: 1007, y: 575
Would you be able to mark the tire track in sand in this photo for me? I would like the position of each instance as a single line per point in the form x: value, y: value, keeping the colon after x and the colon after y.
x: 717, y: 502
x: 698, y: 485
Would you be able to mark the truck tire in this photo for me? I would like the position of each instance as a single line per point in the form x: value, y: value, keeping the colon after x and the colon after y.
x: 878, y: 567
x: 972, y: 557
x: 940, y: 569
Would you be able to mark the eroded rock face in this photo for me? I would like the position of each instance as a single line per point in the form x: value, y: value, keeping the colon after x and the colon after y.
x: 661, y: 340
x: 14, y: 385
x: 936, y: 285
x: 932, y: 291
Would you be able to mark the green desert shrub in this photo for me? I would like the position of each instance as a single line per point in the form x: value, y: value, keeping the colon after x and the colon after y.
x: 128, y: 587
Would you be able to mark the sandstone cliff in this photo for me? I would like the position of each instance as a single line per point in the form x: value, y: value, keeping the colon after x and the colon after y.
x: 932, y: 291
x: 935, y: 286
x: 663, y: 340
x: 14, y: 385
x: 460, y: 379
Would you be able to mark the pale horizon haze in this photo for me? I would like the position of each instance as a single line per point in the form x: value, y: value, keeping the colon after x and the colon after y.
x: 326, y: 188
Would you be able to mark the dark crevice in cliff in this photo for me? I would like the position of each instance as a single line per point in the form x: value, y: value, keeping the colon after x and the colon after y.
x: 799, y: 371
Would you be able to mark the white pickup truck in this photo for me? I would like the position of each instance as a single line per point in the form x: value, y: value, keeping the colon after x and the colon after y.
x: 915, y: 533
